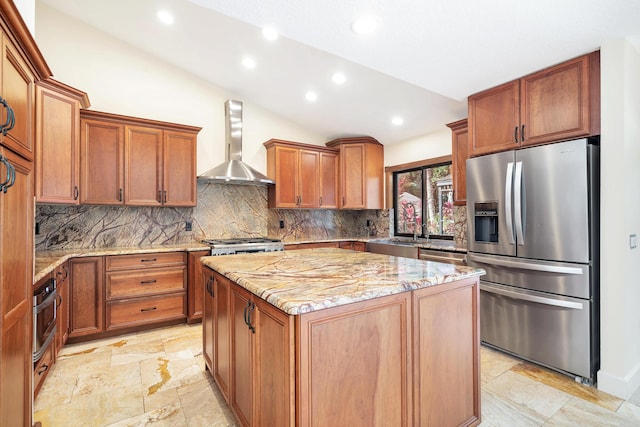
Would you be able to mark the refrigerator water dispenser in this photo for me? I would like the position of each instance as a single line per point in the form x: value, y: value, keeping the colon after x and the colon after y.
x: 486, y: 221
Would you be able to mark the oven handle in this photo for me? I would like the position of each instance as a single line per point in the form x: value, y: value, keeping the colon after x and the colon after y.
x: 46, y: 303
x: 531, y: 298
x: 525, y: 265
x: 38, y: 354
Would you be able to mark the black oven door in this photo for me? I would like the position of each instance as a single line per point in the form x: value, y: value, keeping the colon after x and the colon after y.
x: 44, y: 318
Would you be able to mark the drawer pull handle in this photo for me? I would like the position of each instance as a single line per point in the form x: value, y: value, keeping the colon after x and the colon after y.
x: 147, y: 282
x: 149, y: 260
x: 43, y: 369
x: 149, y: 309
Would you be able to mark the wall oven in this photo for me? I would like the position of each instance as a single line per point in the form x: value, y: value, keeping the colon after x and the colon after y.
x: 44, y: 318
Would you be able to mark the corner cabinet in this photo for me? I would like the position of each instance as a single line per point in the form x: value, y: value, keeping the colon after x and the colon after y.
x: 57, y: 156
x: 557, y: 103
x: 361, y: 173
x: 139, y: 162
x: 460, y: 154
x: 86, y: 296
x: 306, y: 175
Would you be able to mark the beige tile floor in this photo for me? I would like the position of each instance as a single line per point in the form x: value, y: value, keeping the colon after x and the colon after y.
x: 158, y: 378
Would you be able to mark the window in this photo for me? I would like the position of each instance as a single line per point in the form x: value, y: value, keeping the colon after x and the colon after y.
x: 424, y: 195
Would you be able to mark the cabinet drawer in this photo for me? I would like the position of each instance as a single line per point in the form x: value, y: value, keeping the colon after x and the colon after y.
x: 148, y: 282
x: 41, y: 370
x: 140, y: 311
x: 123, y: 262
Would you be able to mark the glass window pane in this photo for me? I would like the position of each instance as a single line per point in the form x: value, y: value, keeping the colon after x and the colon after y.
x: 439, y: 201
x: 408, y: 202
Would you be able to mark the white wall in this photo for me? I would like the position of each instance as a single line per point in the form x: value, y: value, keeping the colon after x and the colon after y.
x: 620, y: 217
x: 120, y: 79
x: 27, y: 9
x: 435, y: 144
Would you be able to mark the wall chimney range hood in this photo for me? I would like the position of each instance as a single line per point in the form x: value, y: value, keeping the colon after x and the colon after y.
x: 234, y: 170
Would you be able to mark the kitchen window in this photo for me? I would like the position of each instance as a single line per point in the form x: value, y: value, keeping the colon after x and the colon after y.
x: 423, y: 201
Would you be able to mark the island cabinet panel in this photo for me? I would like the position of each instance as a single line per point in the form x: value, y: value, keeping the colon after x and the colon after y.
x: 446, y: 336
x: 87, y: 296
x: 222, y: 333
x: 354, y: 364
x: 557, y: 103
x: 242, y: 369
x: 208, y: 316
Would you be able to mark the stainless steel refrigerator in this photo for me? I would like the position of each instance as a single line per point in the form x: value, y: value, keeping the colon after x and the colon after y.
x: 533, y: 224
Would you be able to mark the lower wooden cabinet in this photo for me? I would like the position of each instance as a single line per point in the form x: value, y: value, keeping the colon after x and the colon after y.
x: 41, y: 369
x: 145, y: 288
x: 222, y: 322
x: 354, y: 246
x: 87, y: 296
x: 61, y: 275
x: 195, y: 286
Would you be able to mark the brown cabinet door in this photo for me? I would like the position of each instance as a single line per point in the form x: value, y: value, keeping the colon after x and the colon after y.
x: 460, y: 154
x: 222, y: 334
x: 87, y: 296
x: 352, y: 173
x: 179, y: 169
x: 446, y: 397
x: 143, y: 166
x: 285, y: 193
x: 208, y: 315
x: 101, y: 163
x: 242, y: 369
x: 494, y: 119
x: 555, y: 103
x: 195, y: 286
x: 274, y: 367
x: 328, y: 180
x: 308, y: 173
x: 16, y: 292
x: 57, y: 147
x: 62, y: 308
x: 18, y: 90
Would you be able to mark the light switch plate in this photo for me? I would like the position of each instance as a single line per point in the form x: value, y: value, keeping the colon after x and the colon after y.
x: 633, y: 241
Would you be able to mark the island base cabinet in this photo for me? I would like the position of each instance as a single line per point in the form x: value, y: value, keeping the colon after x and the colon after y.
x: 354, y: 364
x: 445, y: 353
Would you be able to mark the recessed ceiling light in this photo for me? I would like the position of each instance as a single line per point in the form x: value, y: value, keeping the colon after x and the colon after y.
x: 397, y: 121
x: 311, y: 96
x: 338, y: 78
x: 365, y: 24
x: 248, y: 63
x: 270, y: 33
x: 165, y: 16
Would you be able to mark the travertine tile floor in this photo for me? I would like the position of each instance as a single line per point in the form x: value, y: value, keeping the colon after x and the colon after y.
x: 158, y: 378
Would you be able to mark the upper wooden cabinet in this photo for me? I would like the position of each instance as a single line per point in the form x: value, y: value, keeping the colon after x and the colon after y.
x: 17, y: 85
x: 305, y: 175
x: 361, y: 173
x: 460, y: 154
x: 57, y: 156
x: 132, y: 161
x: 557, y: 103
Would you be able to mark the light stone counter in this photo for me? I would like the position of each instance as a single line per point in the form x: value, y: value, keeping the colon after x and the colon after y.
x: 47, y: 261
x: 305, y: 280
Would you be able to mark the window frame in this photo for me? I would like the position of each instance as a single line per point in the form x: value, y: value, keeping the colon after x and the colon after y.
x: 392, y: 193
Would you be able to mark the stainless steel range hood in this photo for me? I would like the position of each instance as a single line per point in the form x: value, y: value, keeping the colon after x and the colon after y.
x: 234, y: 170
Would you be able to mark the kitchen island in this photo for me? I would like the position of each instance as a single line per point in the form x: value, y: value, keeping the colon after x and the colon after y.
x: 336, y: 337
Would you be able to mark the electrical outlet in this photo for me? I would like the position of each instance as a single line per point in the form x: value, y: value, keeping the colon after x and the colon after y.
x: 368, y: 223
x: 633, y: 241
x: 281, y: 223
x: 37, y: 228
x: 188, y: 226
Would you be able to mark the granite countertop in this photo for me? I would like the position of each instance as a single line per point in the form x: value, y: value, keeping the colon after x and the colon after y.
x: 305, y: 280
x: 47, y: 261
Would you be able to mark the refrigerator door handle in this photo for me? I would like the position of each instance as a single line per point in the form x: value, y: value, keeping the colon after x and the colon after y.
x: 523, y: 265
x: 532, y: 298
x: 518, y: 209
x: 508, y: 184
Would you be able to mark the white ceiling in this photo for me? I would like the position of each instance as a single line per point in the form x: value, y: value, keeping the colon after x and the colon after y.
x: 425, y: 59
